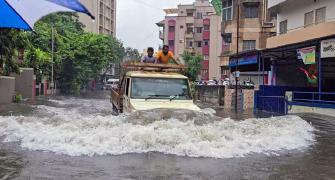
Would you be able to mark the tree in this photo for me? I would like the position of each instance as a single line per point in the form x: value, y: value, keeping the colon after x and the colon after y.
x: 193, y: 62
x: 11, y: 43
x: 217, y: 4
x: 132, y: 54
x: 78, y: 56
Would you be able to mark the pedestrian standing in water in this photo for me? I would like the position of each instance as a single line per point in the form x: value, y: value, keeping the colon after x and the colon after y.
x: 149, y: 58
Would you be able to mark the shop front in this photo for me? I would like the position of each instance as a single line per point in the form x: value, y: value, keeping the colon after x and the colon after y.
x: 302, y: 78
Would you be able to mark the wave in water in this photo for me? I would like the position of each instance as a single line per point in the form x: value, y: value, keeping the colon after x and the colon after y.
x: 68, y: 131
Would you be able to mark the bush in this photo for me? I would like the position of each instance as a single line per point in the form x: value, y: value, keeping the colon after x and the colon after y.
x: 17, y: 98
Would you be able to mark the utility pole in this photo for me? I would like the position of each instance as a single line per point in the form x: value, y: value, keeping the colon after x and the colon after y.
x: 52, y: 59
x: 237, y: 53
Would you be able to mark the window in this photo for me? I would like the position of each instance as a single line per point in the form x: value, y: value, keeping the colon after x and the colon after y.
x: 206, y: 42
x: 171, y: 42
x: 206, y: 27
x: 160, y: 88
x: 227, y: 10
x: 199, y: 15
x: 283, y: 27
x: 320, y: 15
x: 189, y: 28
x: 227, y: 37
x: 199, y: 29
x: 251, y: 11
x: 199, y: 44
x: 171, y: 28
x: 190, y: 13
x: 190, y: 44
x: 249, y: 45
x: 309, y: 18
x: 206, y: 57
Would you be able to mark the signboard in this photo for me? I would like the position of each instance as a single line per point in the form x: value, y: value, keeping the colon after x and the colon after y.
x: 243, y: 61
x: 328, y: 48
x: 307, y: 55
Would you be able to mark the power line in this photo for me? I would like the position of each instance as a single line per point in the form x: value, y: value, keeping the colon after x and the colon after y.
x: 141, y: 2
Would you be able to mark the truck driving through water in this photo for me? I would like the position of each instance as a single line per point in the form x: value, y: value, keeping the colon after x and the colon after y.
x: 145, y: 86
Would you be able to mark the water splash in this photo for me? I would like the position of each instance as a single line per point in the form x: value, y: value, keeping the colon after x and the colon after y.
x: 76, y: 131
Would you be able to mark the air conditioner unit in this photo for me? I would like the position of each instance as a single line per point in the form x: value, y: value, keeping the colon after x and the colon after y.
x: 268, y: 24
x: 181, y: 41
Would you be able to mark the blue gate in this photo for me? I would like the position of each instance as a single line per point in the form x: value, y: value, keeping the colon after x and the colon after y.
x: 272, y: 98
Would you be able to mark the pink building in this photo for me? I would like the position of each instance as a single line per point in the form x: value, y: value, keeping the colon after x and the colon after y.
x: 197, y: 29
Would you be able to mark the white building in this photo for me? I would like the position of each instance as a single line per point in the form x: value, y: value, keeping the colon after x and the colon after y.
x: 301, y: 20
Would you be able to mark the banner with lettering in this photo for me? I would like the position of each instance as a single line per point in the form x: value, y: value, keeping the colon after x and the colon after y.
x: 328, y: 48
x: 307, y: 55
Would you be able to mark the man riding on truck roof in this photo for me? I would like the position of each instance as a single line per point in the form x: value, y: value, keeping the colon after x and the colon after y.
x: 165, y: 55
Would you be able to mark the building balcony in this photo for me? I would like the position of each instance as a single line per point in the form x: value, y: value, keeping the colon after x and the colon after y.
x: 190, y: 49
x: 189, y: 35
x: 190, y: 20
x: 251, y: 1
x: 302, y: 34
x: 273, y: 3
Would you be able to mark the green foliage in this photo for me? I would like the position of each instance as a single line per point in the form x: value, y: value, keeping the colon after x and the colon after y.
x: 11, y: 42
x: 132, y: 54
x: 17, y: 98
x: 78, y: 56
x: 217, y: 4
x: 193, y: 63
x: 192, y: 89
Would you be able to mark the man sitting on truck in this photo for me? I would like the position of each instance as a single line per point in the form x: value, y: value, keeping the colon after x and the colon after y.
x: 150, y: 58
x: 165, y: 55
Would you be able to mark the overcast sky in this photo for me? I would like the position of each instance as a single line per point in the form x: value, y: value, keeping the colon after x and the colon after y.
x: 136, y: 20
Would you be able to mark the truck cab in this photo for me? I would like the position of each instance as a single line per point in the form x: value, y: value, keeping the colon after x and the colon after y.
x: 146, y: 90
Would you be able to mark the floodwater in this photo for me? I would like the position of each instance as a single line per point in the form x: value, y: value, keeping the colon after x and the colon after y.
x: 80, y: 138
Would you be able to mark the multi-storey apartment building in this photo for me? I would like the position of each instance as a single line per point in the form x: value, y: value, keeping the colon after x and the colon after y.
x: 195, y: 28
x: 245, y: 26
x: 105, y: 16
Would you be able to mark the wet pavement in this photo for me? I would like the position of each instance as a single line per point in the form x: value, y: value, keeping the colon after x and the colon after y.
x: 68, y: 138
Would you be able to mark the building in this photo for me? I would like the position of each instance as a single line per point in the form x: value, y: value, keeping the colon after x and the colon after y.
x: 302, y: 58
x: 195, y: 28
x: 245, y: 26
x: 105, y: 16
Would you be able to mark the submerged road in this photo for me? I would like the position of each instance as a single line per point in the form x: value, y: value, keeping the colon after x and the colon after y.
x: 80, y: 138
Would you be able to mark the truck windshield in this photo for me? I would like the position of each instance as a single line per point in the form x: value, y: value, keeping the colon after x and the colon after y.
x: 160, y: 88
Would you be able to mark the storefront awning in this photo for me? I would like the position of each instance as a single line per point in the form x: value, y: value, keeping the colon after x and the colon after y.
x: 248, y: 61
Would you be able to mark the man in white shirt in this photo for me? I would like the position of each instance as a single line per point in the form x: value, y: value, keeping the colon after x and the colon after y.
x: 150, y: 58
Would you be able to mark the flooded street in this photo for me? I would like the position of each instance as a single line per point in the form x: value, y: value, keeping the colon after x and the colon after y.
x: 80, y: 138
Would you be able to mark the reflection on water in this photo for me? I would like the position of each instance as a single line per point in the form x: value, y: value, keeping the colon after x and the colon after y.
x: 264, y: 148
